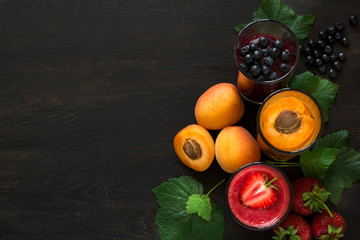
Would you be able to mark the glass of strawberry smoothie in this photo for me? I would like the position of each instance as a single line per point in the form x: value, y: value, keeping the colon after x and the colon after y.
x: 259, y: 196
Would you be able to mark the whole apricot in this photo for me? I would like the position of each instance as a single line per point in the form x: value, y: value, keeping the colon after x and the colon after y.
x: 195, y: 147
x: 235, y: 147
x: 219, y: 106
x: 244, y: 84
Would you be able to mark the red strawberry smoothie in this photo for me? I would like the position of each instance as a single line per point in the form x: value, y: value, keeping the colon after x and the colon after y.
x: 265, y: 218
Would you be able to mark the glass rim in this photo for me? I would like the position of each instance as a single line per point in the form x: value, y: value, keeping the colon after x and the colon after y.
x: 296, y: 57
x: 290, y: 199
x: 258, y: 128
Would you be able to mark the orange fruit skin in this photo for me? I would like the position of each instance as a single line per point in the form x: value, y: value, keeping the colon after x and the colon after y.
x: 219, y: 106
x: 203, y: 138
x: 236, y: 147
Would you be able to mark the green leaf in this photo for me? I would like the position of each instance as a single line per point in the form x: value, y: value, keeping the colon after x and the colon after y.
x: 342, y: 173
x: 277, y: 10
x: 200, y: 205
x: 315, y: 163
x: 323, y: 90
x: 333, y: 140
x: 172, y: 219
x: 239, y: 27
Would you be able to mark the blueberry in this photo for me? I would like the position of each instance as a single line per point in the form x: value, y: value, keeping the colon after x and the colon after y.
x: 331, y: 30
x: 337, y: 36
x: 325, y: 57
x: 330, y: 39
x: 273, y: 75
x: 309, y: 60
x: 257, y: 55
x: 255, y: 70
x: 353, y: 19
x: 285, y: 56
x: 328, y: 49
x: 301, y: 49
x: 332, y: 73
x: 260, y: 78
x: 311, y: 43
x: 337, y: 65
x: 244, y: 67
x: 307, y: 51
x: 345, y: 41
x: 278, y: 44
x: 274, y: 52
x: 244, y: 50
x: 341, y: 56
x: 322, y: 34
x: 284, y: 67
x: 269, y: 60
x: 320, y: 44
x: 322, y: 69
x: 265, y: 52
x: 339, y: 26
x: 316, y: 53
x: 253, y: 47
x: 263, y: 42
x: 265, y: 69
x: 248, y: 58
x: 318, y: 62
x: 333, y: 57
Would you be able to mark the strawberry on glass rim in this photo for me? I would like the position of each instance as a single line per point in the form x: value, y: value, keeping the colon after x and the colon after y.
x: 259, y: 196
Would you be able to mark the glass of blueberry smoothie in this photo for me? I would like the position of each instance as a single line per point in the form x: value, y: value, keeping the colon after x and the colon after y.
x: 266, y: 53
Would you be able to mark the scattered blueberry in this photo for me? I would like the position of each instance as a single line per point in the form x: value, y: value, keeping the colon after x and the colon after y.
x: 325, y: 57
x: 322, y: 35
x: 307, y: 51
x: 337, y: 65
x: 316, y: 53
x: 320, y: 44
x: 331, y: 30
x: 341, y: 56
x: 318, y: 62
x: 333, y: 57
x: 301, y: 49
x: 337, y: 36
x: 330, y: 39
x: 345, y: 41
x: 328, y: 49
x: 332, y: 73
x: 322, y: 68
x: 353, y: 19
x: 339, y: 26
x: 311, y: 43
x: 309, y: 60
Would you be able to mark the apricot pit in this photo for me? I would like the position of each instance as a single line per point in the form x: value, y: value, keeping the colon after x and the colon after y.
x: 195, y: 147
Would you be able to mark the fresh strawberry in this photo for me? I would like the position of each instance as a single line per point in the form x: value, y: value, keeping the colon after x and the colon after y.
x: 293, y: 227
x: 324, y: 226
x: 308, y: 196
x: 257, y: 191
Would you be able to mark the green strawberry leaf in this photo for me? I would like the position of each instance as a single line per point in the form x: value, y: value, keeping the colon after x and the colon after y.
x: 172, y: 219
x: 277, y: 10
x: 342, y: 173
x: 315, y: 163
x: 333, y: 140
x: 200, y: 205
x: 323, y: 90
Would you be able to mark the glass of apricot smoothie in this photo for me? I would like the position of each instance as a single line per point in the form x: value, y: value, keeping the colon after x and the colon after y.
x: 289, y: 122
x: 266, y: 53
x: 259, y: 196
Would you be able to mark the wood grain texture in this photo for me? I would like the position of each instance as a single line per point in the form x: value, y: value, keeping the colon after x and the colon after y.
x: 93, y: 92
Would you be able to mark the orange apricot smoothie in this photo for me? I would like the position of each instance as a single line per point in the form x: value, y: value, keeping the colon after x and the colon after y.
x: 289, y: 122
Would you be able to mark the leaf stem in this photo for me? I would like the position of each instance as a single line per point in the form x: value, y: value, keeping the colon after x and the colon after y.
x: 324, y: 206
x: 215, y: 187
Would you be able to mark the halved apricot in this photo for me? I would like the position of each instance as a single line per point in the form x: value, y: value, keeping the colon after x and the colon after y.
x: 287, y: 124
x: 195, y: 147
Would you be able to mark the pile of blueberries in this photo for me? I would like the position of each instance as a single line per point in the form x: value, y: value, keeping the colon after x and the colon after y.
x: 319, y: 53
x: 259, y: 59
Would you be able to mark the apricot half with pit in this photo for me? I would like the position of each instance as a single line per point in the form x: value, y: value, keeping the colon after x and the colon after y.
x: 219, y: 106
x: 235, y: 147
x: 195, y: 147
x: 287, y: 124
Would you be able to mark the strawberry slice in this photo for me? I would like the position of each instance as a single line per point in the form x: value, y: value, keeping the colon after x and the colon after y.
x: 257, y: 191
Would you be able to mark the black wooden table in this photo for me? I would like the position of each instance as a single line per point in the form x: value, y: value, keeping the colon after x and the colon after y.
x: 92, y: 94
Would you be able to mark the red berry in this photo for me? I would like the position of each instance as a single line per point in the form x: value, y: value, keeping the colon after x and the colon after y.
x: 308, y: 196
x: 324, y: 226
x: 257, y: 191
x: 294, y: 225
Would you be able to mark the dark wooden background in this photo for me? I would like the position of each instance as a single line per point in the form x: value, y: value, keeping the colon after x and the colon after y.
x: 93, y: 92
